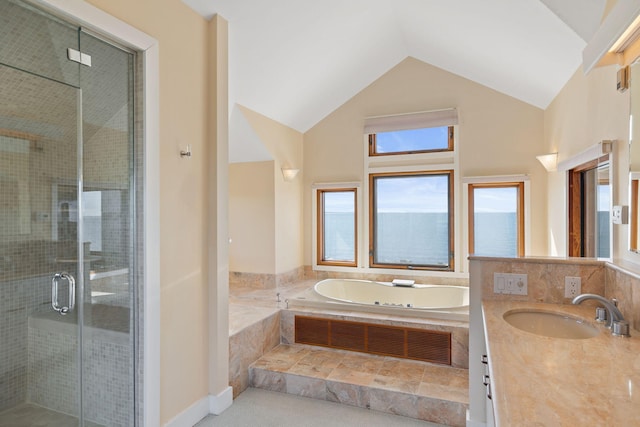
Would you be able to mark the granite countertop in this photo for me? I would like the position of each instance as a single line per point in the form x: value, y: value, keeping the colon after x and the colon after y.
x: 543, y: 381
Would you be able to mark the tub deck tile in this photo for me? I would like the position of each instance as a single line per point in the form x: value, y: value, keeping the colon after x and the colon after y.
x: 410, y: 388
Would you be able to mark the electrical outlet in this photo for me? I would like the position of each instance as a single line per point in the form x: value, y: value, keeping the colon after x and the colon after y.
x: 572, y: 287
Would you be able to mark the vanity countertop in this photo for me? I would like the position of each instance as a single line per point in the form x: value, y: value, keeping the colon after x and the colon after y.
x: 542, y: 381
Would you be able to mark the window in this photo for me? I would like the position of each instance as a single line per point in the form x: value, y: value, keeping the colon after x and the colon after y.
x: 407, y: 199
x: 337, y: 233
x: 411, y: 220
x: 496, y: 219
x: 411, y: 141
x: 589, y: 209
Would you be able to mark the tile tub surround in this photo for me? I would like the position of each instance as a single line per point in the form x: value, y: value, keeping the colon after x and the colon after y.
x: 253, y: 308
x: 239, y: 279
x: 254, y: 325
x: 414, y: 389
x: 538, y: 380
x: 249, y: 344
x: 317, y: 275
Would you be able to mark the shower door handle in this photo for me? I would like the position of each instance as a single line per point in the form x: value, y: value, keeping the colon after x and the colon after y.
x: 54, y: 293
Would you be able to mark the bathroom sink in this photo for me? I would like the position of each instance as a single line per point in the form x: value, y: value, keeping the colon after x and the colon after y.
x: 548, y: 324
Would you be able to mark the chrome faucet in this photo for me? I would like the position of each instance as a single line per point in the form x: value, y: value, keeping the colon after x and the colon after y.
x: 614, y: 315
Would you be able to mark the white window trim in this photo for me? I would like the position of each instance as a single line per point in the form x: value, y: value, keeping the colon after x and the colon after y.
x: 497, y: 179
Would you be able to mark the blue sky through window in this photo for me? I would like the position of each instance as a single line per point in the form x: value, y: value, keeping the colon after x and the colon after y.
x: 427, y: 193
x: 413, y: 140
x: 495, y: 199
x: 339, y: 201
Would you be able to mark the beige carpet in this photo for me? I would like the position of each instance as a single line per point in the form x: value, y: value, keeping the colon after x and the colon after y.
x: 262, y: 408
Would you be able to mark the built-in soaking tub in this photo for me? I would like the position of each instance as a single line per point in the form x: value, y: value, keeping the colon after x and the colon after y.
x: 418, y: 300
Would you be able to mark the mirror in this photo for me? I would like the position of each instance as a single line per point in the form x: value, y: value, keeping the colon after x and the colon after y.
x: 634, y: 158
x: 589, y: 197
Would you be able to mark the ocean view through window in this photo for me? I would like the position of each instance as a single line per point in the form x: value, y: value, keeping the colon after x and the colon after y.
x: 496, y: 219
x: 337, y: 231
x: 410, y: 222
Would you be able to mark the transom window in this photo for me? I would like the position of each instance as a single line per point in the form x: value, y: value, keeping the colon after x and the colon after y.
x: 411, y: 220
x: 411, y: 141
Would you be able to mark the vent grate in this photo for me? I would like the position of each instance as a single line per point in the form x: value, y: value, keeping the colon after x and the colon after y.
x: 403, y: 342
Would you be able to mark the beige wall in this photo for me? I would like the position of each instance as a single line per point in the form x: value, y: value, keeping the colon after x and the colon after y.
x: 182, y: 39
x: 252, y: 217
x: 286, y: 147
x: 498, y: 135
x: 587, y: 110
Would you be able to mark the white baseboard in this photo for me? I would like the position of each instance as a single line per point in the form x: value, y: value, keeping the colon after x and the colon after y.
x: 217, y: 404
x: 203, y: 407
x: 190, y: 416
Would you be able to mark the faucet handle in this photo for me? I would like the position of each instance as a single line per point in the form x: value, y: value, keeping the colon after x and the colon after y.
x: 620, y: 328
x: 601, y: 314
x: 614, y: 301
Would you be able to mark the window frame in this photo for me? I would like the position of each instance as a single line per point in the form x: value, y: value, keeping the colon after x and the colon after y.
x: 451, y: 218
x: 374, y: 153
x: 520, y: 212
x: 320, y: 245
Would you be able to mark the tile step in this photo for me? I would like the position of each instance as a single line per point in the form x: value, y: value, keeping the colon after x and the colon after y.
x: 414, y: 389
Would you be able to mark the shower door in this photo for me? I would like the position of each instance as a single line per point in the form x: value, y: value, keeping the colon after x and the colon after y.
x: 67, y: 235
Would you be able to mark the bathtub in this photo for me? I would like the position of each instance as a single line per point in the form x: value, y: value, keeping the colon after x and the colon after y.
x: 418, y: 297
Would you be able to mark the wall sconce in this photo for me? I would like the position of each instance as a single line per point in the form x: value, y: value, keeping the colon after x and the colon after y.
x: 549, y: 161
x: 289, y: 174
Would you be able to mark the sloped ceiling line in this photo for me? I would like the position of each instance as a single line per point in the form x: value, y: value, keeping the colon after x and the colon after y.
x: 296, y: 61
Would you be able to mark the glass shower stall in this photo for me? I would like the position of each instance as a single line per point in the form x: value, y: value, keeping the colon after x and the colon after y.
x: 67, y: 224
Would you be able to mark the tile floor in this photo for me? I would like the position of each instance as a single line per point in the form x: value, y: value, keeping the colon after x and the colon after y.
x: 27, y: 415
x: 264, y: 408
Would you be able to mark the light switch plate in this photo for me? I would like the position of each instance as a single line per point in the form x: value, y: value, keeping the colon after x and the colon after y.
x: 620, y: 215
x: 510, y: 283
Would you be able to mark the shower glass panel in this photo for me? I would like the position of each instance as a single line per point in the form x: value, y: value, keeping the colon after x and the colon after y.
x: 37, y: 42
x: 67, y: 235
x: 38, y: 146
x: 107, y: 218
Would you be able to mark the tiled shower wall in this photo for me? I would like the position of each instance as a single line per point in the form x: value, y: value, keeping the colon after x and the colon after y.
x: 18, y: 298
x: 53, y: 372
x: 33, y: 361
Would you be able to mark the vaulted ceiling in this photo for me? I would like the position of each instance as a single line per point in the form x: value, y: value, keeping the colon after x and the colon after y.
x: 296, y: 61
